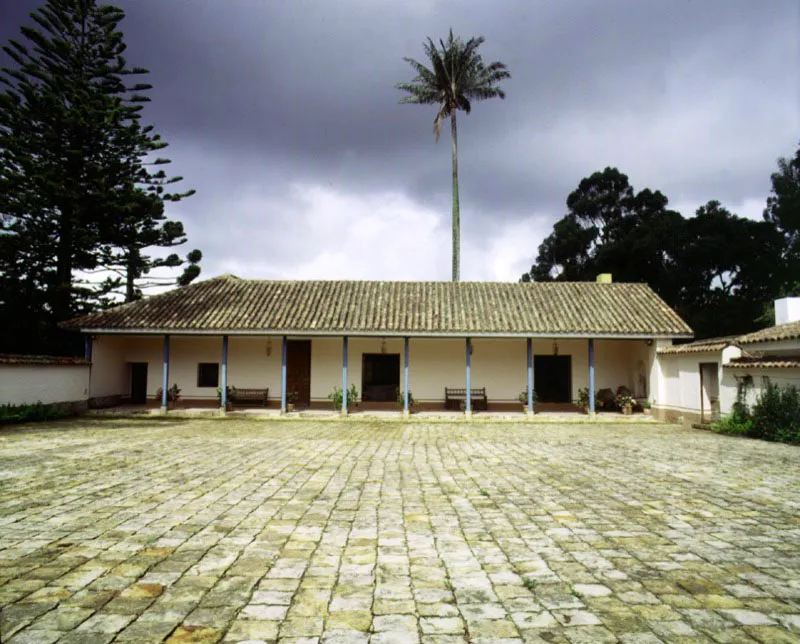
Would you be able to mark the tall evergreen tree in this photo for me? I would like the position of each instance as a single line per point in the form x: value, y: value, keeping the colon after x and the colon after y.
x: 783, y: 210
x: 73, y: 153
x: 457, y: 76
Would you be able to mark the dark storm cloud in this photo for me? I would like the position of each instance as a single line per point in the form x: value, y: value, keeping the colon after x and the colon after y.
x: 694, y: 98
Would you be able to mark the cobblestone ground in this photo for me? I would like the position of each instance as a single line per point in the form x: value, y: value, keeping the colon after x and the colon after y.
x: 213, y: 530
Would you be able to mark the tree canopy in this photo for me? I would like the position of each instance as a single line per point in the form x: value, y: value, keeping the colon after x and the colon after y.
x: 82, y: 189
x: 716, y: 269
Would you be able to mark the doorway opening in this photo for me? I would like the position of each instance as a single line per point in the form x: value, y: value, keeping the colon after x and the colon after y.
x: 552, y: 377
x: 138, y: 383
x: 298, y: 371
x: 709, y: 391
x: 380, y: 377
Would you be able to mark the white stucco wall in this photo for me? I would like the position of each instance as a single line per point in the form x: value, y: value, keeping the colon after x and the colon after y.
x: 497, y: 364
x: 780, y: 377
x: 28, y: 384
x: 680, y: 389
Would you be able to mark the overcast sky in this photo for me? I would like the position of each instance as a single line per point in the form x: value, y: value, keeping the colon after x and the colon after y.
x: 283, y: 115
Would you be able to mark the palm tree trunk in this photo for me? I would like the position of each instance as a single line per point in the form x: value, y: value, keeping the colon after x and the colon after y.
x: 456, y: 219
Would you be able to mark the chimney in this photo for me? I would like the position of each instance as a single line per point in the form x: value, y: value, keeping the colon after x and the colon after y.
x: 787, y: 310
x: 605, y: 278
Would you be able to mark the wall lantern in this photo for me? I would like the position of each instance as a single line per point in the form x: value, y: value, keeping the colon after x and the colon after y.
x: 269, y: 347
x: 555, y: 348
x: 383, y: 345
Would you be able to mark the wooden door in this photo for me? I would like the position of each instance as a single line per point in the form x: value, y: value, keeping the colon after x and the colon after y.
x: 298, y: 370
x: 138, y: 383
x: 553, y: 378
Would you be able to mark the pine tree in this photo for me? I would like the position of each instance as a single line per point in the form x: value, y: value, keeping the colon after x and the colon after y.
x: 73, y: 157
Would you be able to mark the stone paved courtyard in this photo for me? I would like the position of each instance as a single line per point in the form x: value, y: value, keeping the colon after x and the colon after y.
x: 218, y: 530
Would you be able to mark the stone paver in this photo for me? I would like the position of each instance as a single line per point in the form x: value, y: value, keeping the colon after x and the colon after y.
x: 307, y: 532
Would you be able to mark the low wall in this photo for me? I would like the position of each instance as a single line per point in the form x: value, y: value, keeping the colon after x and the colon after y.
x: 25, y: 380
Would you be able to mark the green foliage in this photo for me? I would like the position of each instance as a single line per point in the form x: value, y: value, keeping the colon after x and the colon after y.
x: 624, y: 400
x: 336, y: 397
x: 523, y: 396
x: 715, y: 269
x: 583, y: 397
x: 230, y: 391
x: 734, y: 425
x: 401, y: 399
x: 80, y: 189
x: 776, y: 414
x: 173, y: 393
x: 457, y: 76
x: 774, y: 417
x: 10, y: 414
x: 783, y: 210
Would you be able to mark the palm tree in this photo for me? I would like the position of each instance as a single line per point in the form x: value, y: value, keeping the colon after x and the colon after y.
x: 457, y: 76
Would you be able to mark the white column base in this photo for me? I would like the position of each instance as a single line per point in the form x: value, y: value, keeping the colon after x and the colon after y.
x: 468, y: 414
x: 223, y: 411
x: 164, y: 410
x: 406, y: 414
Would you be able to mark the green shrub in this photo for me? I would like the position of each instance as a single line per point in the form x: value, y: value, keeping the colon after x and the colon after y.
x: 336, y: 397
x: 401, y: 399
x: 734, y: 425
x: 30, y: 413
x: 776, y: 414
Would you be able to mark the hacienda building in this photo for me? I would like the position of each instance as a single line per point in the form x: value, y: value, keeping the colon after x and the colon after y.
x: 296, y: 341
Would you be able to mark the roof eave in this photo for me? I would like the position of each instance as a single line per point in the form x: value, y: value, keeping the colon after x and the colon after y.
x: 386, y: 334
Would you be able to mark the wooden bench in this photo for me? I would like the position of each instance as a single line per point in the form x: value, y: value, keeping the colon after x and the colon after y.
x: 457, y: 398
x: 238, y: 395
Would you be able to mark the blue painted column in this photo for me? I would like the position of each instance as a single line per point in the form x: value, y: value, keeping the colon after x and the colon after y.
x: 405, y: 377
x: 87, y: 348
x: 344, y: 375
x: 468, y: 406
x: 530, y: 375
x: 283, y: 375
x: 165, y: 386
x: 591, y: 376
x: 224, y: 397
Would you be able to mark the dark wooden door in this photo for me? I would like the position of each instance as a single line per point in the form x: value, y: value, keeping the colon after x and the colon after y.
x: 552, y: 376
x: 380, y: 377
x: 298, y: 370
x: 138, y: 383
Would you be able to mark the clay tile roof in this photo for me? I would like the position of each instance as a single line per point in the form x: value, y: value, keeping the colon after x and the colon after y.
x: 42, y: 360
x: 235, y: 305
x: 789, y: 331
x: 711, y: 345
x: 765, y: 362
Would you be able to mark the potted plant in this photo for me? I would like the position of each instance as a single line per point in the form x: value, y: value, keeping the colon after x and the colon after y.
x: 336, y: 396
x: 647, y: 408
x: 231, y: 391
x: 625, y: 403
x: 173, y: 395
x: 292, y: 397
x: 523, y: 398
x: 401, y: 401
x: 583, y: 399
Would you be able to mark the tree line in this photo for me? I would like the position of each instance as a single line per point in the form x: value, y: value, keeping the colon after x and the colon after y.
x: 719, y: 271
x: 83, y: 185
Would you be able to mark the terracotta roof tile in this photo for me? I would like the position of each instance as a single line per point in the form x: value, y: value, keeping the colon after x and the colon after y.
x: 42, y: 360
x: 788, y: 331
x: 711, y: 345
x: 765, y: 362
x: 228, y: 303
